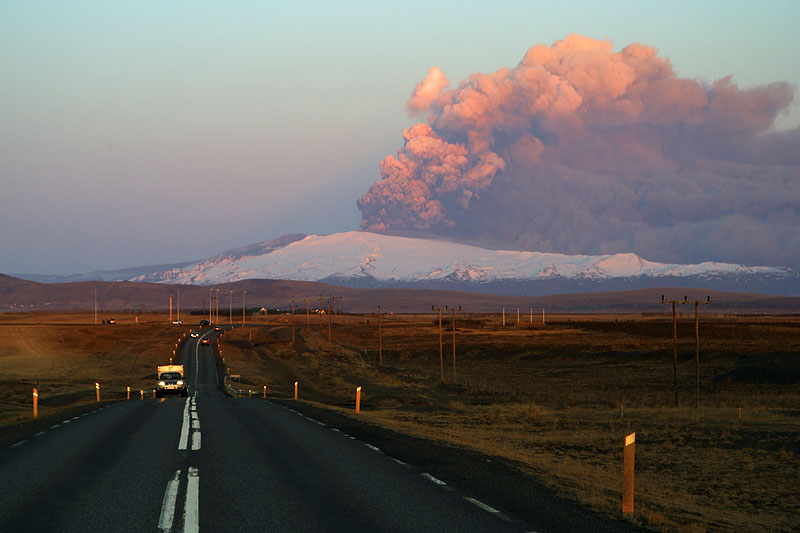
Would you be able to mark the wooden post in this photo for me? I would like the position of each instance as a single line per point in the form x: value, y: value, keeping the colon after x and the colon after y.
x: 675, y: 351
x: 454, y: 344
x: 358, y: 400
x: 441, y: 359
x: 627, y: 474
x: 696, y: 355
x: 35, y: 402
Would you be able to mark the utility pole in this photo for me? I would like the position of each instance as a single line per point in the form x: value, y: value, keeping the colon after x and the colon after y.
x: 674, y: 344
x: 210, y: 304
x: 216, y: 308
x: 329, y: 321
x: 697, y: 345
x: 441, y: 357
x: 95, y: 307
x: 292, y: 321
x: 454, y: 342
x: 170, y: 309
x: 179, y: 304
x: 244, y: 297
x: 230, y: 306
x: 308, y: 319
x: 380, y: 338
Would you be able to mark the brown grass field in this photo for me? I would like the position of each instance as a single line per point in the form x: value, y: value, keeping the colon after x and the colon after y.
x: 557, y: 400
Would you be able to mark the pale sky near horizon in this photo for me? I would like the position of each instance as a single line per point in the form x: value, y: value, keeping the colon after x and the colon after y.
x: 135, y: 133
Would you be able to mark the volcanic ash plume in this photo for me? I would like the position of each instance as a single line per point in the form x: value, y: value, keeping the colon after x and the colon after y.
x: 582, y: 150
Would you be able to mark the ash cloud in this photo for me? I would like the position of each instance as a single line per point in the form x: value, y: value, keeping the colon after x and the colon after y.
x: 579, y: 149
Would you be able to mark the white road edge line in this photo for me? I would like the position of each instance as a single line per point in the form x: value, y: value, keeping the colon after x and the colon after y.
x: 168, y: 504
x: 184, y: 440
x: 435, y: 480
x: 398, y: 461
x: 191, y: 509
x: 371, y: 447
x: 487, y: 508
x: 18, y: 444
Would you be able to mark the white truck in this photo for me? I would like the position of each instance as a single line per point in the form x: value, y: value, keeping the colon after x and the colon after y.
x: 170, y: 381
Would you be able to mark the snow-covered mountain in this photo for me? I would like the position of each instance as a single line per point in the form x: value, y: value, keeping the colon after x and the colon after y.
x: 358, y: 258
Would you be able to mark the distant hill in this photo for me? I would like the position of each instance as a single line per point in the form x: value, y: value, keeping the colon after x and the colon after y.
x: 17, y: 295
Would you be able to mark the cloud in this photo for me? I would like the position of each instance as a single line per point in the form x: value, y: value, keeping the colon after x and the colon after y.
x: 580, y: 149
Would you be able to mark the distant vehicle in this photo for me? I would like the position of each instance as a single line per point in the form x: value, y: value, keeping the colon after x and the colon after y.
x: 111, y: 321
x: 205, y: 340
x: 170, y: 381
x: 177, y: 322
x: 194, y: 334
x: 204, y: 323
x: 217, y: 328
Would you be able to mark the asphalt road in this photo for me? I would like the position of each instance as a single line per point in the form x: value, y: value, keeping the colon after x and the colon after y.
x: 222, y: 464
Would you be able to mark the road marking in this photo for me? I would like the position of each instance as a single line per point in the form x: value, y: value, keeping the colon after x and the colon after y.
x: 39, y: 434
x: 18, y: 444
x: 54, y: 426
x: 196, y: 440
x: 487, y: 508
x: 435, y: 480
x: 185, y: 428
x: 398, y: 461
x: 371, y: 447
x: 168, y: 504
x: 191, y: 509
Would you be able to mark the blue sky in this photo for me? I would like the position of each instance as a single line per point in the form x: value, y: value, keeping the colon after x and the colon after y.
x: 137, y: 133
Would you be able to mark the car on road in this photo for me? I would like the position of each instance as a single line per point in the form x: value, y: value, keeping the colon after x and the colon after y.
x: 177, y: 322
x: 217, y: 328
x: 204, y: 323
x: 205, y: 340
x: 111, y: 321
x: 194, y: 334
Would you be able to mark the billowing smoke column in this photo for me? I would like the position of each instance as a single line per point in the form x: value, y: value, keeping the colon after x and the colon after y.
x: 582, y: 150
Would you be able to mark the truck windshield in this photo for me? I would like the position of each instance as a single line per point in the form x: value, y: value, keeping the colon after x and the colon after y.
x: 171, y: 375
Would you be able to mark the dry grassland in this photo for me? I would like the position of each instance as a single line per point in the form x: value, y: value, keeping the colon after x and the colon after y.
x: 556, y: 400
x: 559, y: 399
